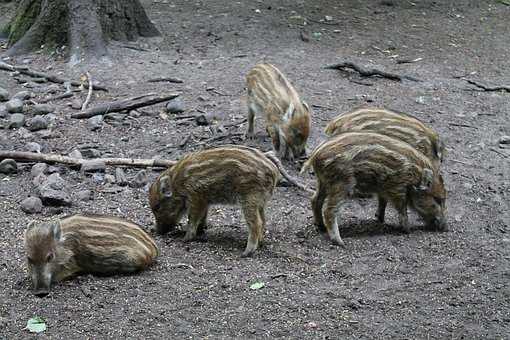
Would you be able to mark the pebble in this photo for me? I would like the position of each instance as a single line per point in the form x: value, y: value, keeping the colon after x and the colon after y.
x: 37, y: 123
x: 33, y: 147
x: 4, y: 95
x: 95, y: 123
x: 16, y: 121
x: 32, y: 205
x: 53, y: 191
x: 93, y: 166
x: 38, y: 169
x: 42, y: 109
x: 76, y: 154
x: 175, y: 106
x: 14, y: 105
x: 84, y: 195
x: 23, y: 95
x: 109, y: 178
x: 120, y: 177
x: 140, y: 179
x: 8, y: 166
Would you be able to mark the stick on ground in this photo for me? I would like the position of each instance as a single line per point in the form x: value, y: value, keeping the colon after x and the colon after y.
x: 365, y: 72
x: 488, y: 88
x: 285, y: 174
x: 125, y: 104
x: 89, y: 95
x: 22, y: 156
x: 166, y: 79
x: 50, y: 77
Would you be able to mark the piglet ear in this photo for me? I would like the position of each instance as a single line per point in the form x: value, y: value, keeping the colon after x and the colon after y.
x: 289, y: 113
x: 427, y: 177
x: 56, y: 230
x: 165, y: 189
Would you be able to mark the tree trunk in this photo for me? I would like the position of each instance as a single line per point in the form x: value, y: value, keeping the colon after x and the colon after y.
x: 85, y: 26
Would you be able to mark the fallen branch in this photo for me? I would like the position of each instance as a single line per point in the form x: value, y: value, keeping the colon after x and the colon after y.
x: 285, y: 174
x: 22, y: 156
x: 370, y: 72
x: 89, y: 95
x: 67, y: 94
x: 462, y: 125
x: 488, y: 88
x: 125, y: 105
x: 168, y: 79
x: 50, y: 77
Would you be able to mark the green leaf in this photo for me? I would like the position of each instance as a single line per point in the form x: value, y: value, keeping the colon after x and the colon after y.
x: 504, y: 2
x: 36, y: 325
x: 257, y: 285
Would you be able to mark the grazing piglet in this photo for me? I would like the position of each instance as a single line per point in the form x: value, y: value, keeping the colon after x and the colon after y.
x: 397, y: 125
x: 375, y: 164
x: 93, y: 244
x: 287, y: 117
x: 225, y: 175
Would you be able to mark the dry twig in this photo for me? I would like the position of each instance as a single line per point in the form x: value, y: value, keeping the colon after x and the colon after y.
x: 370, y: 72
x: 89, y: 95
x: 488, y: 88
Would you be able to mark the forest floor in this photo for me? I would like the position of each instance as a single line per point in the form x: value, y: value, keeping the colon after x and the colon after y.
x: 384, y: 284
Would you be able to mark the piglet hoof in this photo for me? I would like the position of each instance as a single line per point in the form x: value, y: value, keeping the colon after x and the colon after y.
x: 247, y: 253
x: 338, y: 242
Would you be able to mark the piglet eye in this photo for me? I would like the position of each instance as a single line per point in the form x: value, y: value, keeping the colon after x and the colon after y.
x: 50, y: 257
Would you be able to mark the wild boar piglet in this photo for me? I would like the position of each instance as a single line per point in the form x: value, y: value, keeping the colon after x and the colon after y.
x: 224, y: 175
x: 372, y: 163
x: 287, y: 117
x: 394, y: 124
x: 58, y: 249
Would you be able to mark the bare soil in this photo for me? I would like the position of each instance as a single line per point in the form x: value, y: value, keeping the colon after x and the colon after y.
x: 384, y: 285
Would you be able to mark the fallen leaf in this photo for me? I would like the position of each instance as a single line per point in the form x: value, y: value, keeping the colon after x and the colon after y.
x: 257, y: 285
x: 36, y: 325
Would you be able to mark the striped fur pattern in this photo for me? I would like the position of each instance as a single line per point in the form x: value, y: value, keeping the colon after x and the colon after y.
x: 390, y: 123
x: 94, y: 244
x: 372, y: 163
x: 225, y: 175
x: 271, y: 95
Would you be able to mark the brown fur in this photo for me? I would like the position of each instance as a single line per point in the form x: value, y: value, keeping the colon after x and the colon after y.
x: 85, y: 243
x: 390, y: 123
x: 225, y: 175
x: 271, y: 95
x: 375, y: 164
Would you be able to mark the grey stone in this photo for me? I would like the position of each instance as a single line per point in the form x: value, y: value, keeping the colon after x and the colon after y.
x: 33, y: 147
x: 89, y: 152
x: 53, y: 191
x: 504, y: 140
x: 37, y: 123
x: 175, y: 106
x: 23, y: 95
x: 42, y: 109
x: 84, y: 195
x: 203, y: 120
x: 120, y: 177
x: 95, y: 122
x: 98, y: 177
x: 3, y: 111
x: 93, y: 166
x: 14, y: 105
x: 16, y: 120
x: 38, y: 168
x: 76, y: 104
x: 4, y: 95
x: 8, y: 166
x: 54, y: 169
x: 39, y: 180
x: 140, y: 179
x: 32, y: 205
x: 109, y: 178
x: 76, y: 154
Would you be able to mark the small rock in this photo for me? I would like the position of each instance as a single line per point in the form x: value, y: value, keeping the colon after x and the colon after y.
x: 120, y: 177
x: 32, y: 205
x: 504, y: 142
x: 84, y: 195
x: 37, y: 123
x: 204, y: 119
x: 16, y: 120
x: 4, y: 95
x: 51, y: 118
x: 53, y: 191
x: 135, y: 114
x: 3, y: 111
x: 76, y: 154
x: 42, y: 109
x: 89, y: 152
x: 109, y: 178
x: 98, y: 177
x: 140, y: 179
x: 93, y: 166
x: 33, y: 147
x: 23, y: 95
x: 175, y: 106
x: 54, y: 169
x: 14, y: 105
x: 95, y: 122
x: 8, y: 166
x: 38, y: 169
x: 39, y: 180
x: 76, y: 104
x: 328, y: 18
x: 305, y: 36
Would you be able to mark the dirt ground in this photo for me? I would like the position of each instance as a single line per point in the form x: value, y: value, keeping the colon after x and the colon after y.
x: 385, y: 284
